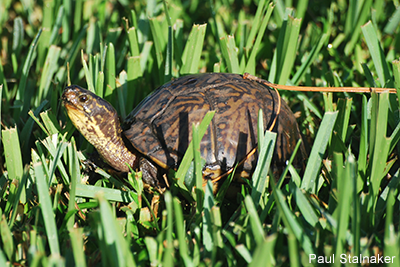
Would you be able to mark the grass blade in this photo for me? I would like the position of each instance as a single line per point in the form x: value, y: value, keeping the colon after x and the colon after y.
x: 110, y: 194
x: 7, y: 240
x: 318, y: 150
x: 46, y: 207
x: 117, y: 252
x: 266, y: 248
x: 381, y: 144
x: 291, y: 223
x: 264, y: 161
x: 168, y: 247
x: 21, y: 94
x: 251, y: 63
x: 193, y: 49
x: 207, y: 230
x: 188, y: 157
x: 345, y: 189
x: 12, y: 153
x: 197, y: 168
x: 256, y: 226
x: 285, y: 52
x: 181, y: 233
x: 229, y: 53
x: 377, y: 55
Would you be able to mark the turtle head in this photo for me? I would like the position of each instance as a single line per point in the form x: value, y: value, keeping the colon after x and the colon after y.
x: 98, y: 122
x: 82, y: 104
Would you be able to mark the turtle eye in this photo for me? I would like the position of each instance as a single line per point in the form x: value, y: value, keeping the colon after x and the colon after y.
x: 83, y: 99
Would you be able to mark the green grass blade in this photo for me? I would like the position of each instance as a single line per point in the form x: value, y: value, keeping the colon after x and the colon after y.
x: 290, y: 43
x: 358, y: 17
x: 310, y: 59
x: 396, y: 74
x: 393, y: 22
x: 251, y: 63
x: 3, y: 260
x: 244, y: 253
x: 50, y: 68
x: 256, y: 226
x: 73, y: 52
x: 168, y: 246
x: 188, y: 157
x: 66, y: 21
x: 169, y: 56
x: 285, y: 52
x: 317, y: 152
x: 341, y: 124
x: 363, y: 150
x: 19, y: 198
x: 193, y: 49
x: 381, y: 144
x: 345, y: 189
x: 264, y: 253
x: 46, y: 207
x: 110, y: 74
x: 56, y: 153
x: 110, y: 194
x: 291, y: 223
x: 208, y: 224
x: 18, y: 35
x: 264, y: 161
x: 133, y: 42
x: 255, y: 25
x: 12, y: 153
x: 181, y: 233
x: 21, y: 94
x: 178, y: 42
x: 44, y: 42
x: 88, y: 76
x: 57, y: 25
x: 306, y: 209
x: 152, y: 248
x: 377, y: 55
x: 7, y: 239
x: 356, y: 211
x: 75, y: 179
x: 117, y: 252
x: 229, y: 53
x: 197, y: 167
x: 76, y: 237
x: 50, y: 122
x: 77, y: 22
x: 391, y: 238
x: 159, y: 44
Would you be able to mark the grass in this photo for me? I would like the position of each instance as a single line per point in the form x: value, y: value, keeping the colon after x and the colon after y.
x: 344, y: 204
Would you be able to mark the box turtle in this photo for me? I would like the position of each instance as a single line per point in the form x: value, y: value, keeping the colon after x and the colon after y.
x: 156, y: 134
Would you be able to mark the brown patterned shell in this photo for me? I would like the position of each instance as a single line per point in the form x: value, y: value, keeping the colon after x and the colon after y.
x: 161, y: 126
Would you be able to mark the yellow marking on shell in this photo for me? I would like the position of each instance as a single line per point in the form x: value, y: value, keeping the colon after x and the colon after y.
x: 159, y: 163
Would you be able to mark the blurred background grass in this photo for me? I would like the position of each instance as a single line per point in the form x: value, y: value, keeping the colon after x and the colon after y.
x: 347, y: 200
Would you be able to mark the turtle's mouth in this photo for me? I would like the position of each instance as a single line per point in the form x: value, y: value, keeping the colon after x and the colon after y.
x: 76, y: 112
x: 70, y: 99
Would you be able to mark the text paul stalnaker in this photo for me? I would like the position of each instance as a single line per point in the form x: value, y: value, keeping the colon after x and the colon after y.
x: 345, y: 258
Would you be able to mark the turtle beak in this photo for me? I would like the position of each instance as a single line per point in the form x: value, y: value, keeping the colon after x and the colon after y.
x: 70, y: 97
x: 68, y: 94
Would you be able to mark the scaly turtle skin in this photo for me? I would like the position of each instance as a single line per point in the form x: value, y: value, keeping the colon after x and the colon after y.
x: 159, y: 129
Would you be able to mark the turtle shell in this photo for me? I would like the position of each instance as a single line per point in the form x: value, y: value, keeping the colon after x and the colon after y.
x: 160, y: 128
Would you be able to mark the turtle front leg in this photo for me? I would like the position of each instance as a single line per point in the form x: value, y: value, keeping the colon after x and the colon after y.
x: 150, y: 174
x: 150, y: 177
